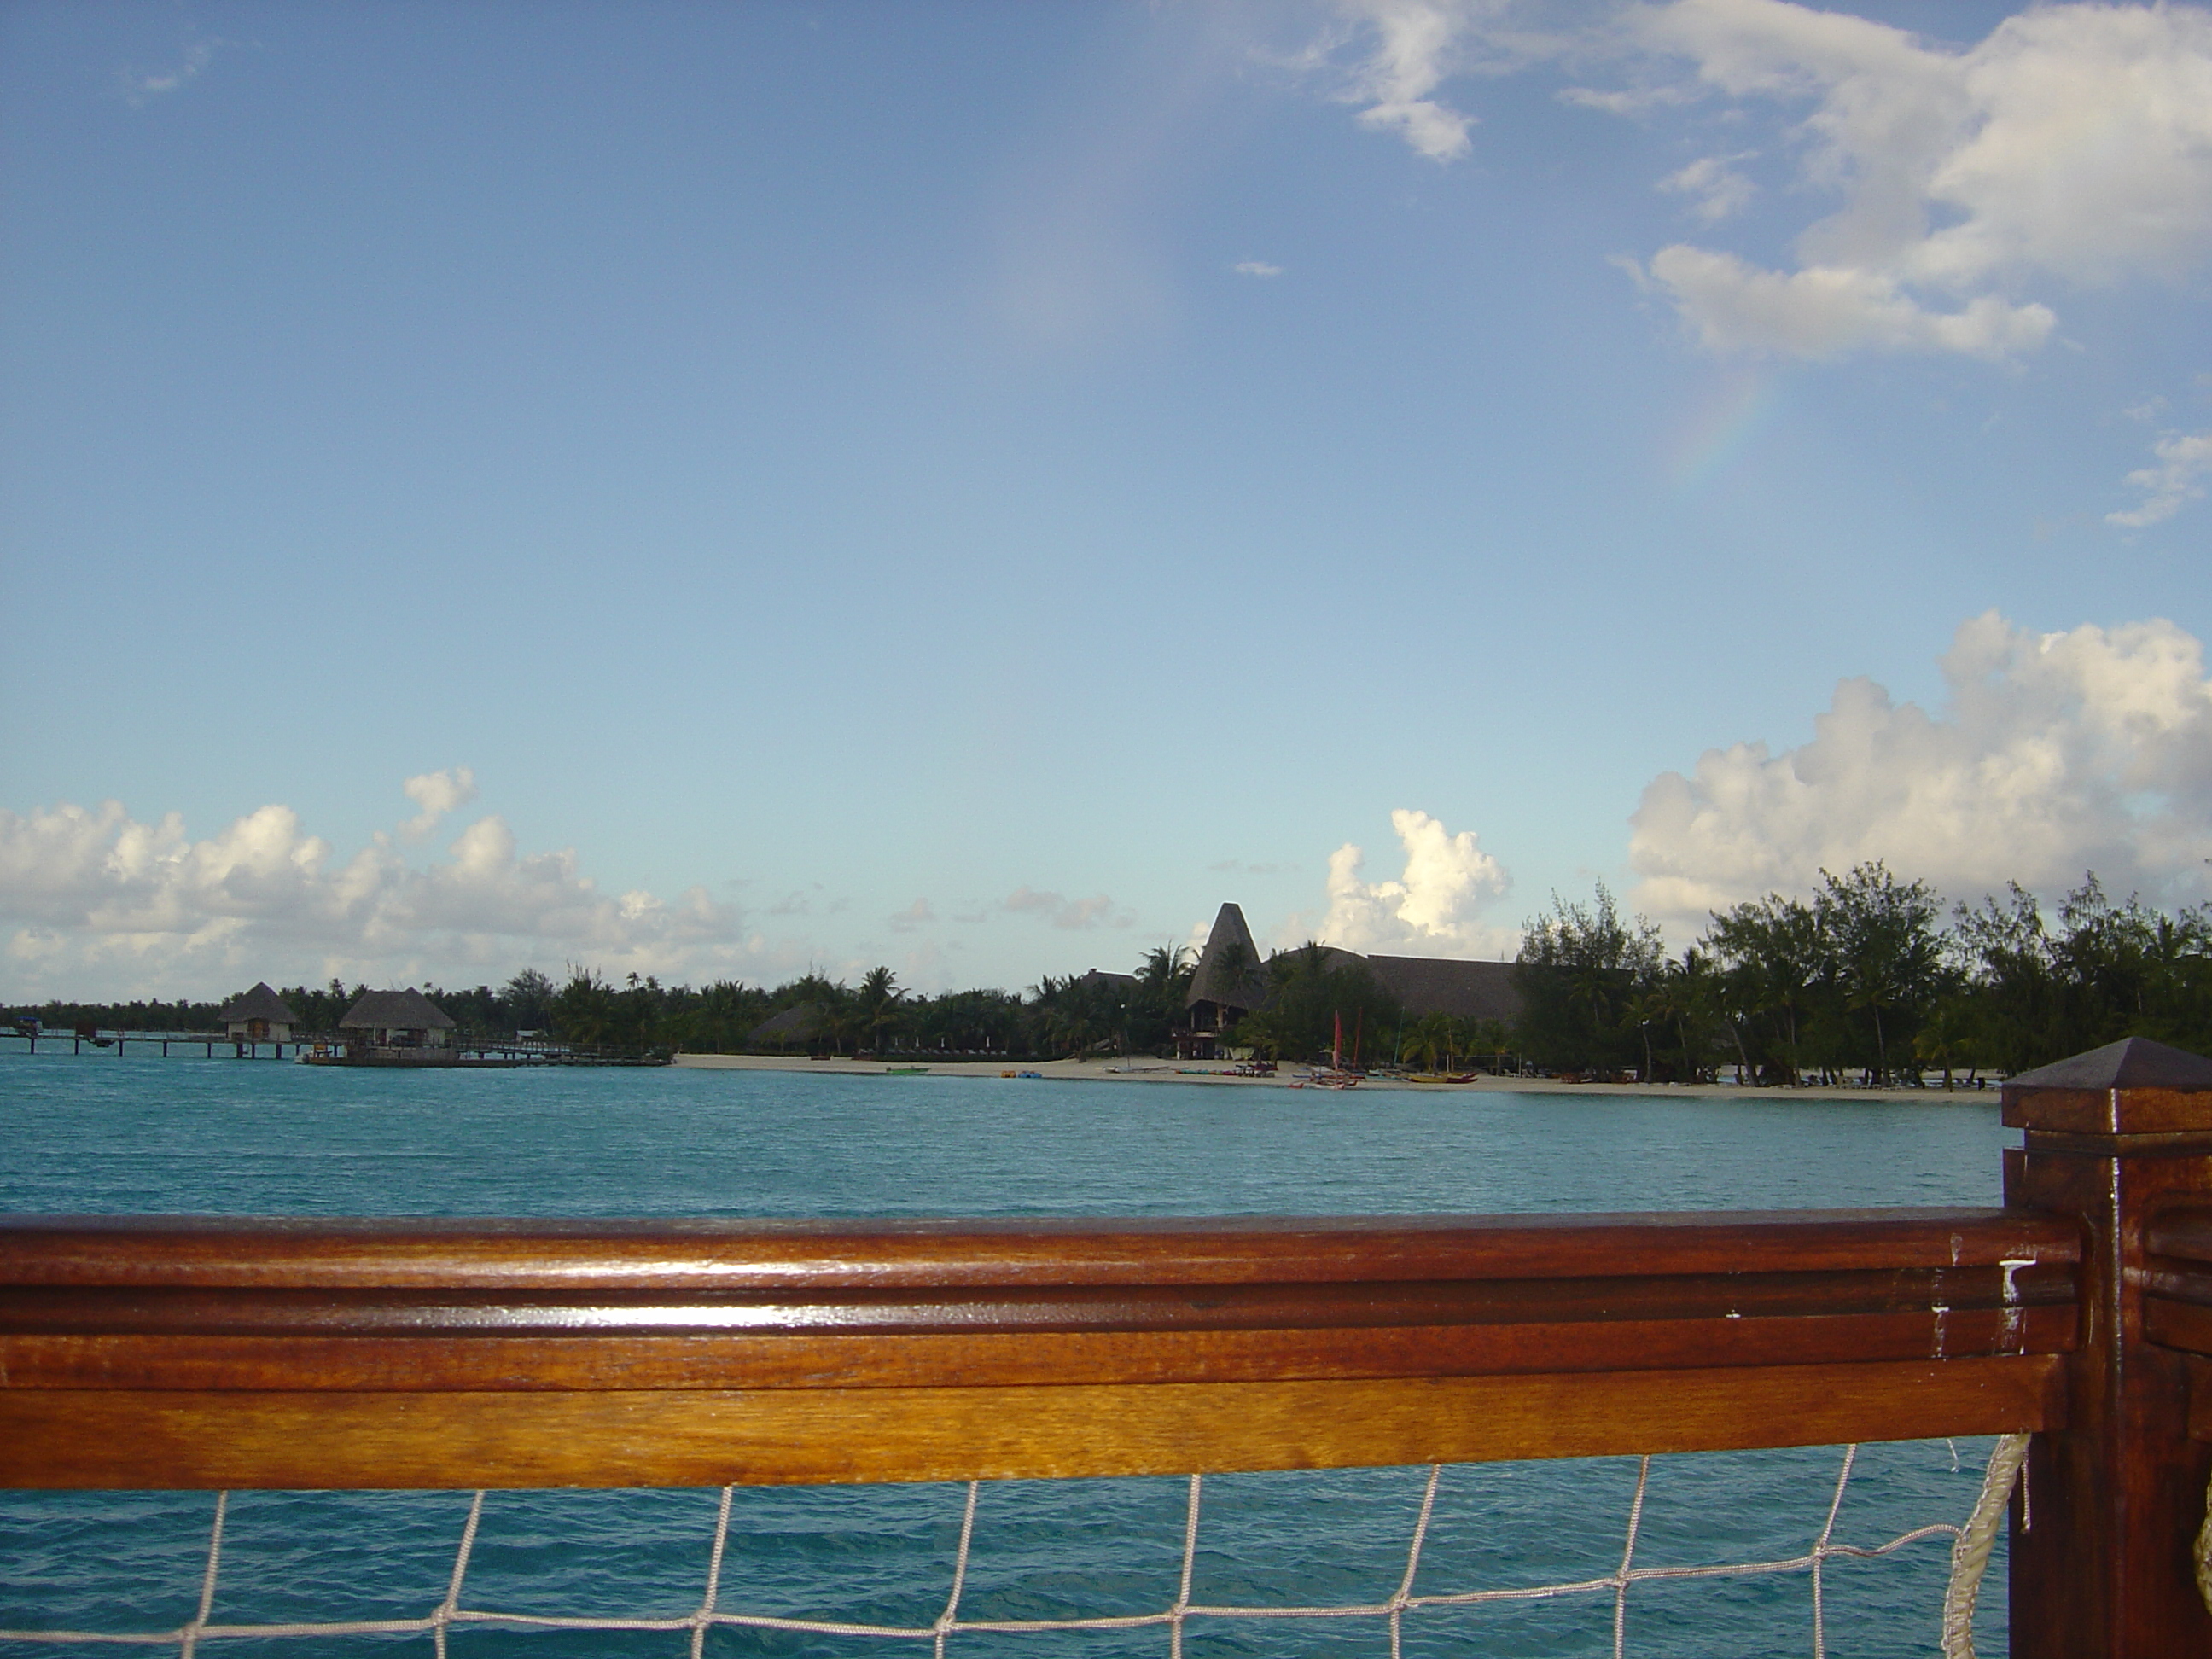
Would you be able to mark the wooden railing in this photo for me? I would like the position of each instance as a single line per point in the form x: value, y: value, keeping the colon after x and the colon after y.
x: 166, y: 1351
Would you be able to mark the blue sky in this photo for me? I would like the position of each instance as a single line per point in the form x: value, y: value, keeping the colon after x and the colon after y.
x: 972, y: 487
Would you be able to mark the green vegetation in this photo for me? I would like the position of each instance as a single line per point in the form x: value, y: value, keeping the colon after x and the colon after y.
x: 1084, y: 1015
x: 1862, y: 978
x: 1310, y: 989
x: 1869, y: 977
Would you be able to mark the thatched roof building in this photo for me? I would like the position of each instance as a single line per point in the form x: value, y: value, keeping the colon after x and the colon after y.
x: 801, y: 1023
x: 397, y: 1020
x: 259, y: 1015
x: 1230, y: 973
x: 1443, y: 985
x: 1232, y: 981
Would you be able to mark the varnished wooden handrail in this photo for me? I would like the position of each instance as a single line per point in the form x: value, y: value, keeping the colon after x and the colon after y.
x: 500, y: 1253
x: 189, y: 1350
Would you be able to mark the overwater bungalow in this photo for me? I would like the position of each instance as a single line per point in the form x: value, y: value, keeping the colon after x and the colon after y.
x: 259, y: 1016
x: 398, y: 1028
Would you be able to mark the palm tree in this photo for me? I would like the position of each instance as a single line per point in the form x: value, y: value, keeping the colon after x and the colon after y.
x: 877, y: 1004
x: 1430, y: 1040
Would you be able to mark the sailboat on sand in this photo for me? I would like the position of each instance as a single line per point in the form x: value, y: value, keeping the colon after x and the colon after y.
x: 1334, y: 1076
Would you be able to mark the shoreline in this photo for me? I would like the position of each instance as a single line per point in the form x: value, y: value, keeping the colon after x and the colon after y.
x: 1165, y: 1071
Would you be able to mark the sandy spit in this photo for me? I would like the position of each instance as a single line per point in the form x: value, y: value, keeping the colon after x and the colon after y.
x: 1212, y: 1073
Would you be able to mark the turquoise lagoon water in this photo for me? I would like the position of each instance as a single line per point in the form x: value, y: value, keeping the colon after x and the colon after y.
x: 143, y: 1134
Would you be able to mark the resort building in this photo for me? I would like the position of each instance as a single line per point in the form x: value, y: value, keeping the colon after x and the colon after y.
x: 1105, y: 980
x: 1232, y: 981
x: 397, y: 1023
x: 1449, y: 985
x: 259, y: 1016
x: 797, y: 1027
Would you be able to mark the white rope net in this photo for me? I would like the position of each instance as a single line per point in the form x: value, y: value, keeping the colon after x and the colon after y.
x: 1186, y: 1617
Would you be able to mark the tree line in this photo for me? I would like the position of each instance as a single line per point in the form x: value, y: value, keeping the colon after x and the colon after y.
x: 1870, y: 976
x: 1079, y: 1015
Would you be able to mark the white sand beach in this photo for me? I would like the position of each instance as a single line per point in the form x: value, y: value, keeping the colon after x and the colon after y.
x: 1215, y: 1073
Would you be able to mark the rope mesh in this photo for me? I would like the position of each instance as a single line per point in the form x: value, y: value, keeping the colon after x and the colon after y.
x: 1972, y: 1545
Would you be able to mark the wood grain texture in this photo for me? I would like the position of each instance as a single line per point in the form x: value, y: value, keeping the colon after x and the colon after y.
x: 2182, y: 1231
x: 425, y: 1306
x: 177, y: 1252
x: 501, y: 1363
x: 2107, y: 1111
x: 2106, y: 1572
x: 119, y: 1438
x: 2185, y: 1326
x: 2198, y: 1369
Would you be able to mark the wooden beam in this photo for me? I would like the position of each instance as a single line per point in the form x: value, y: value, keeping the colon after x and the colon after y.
x: 116, y: 1438
x: 2104, y: 1570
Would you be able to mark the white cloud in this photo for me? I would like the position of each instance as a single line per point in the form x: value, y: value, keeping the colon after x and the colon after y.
x: 1257, y: 268
x: 1640, y: 101
x: 1721, y: 191
x: 2073, y: 141
x: 1401, y: 52
x: 98, y: 903
x: 1097, y: 911
x: 1432, y: 909
x: 437, y: 793
x: 2182, y: 460
x: 1413, y: 44
x: 2057, y: 753
x: 141, y: 85
x: 1826, y: 310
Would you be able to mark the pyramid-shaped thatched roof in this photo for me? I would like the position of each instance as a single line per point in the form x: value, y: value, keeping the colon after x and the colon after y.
x: 395, y: 1011
x: 1230, y: 970
x: 259, y: 1003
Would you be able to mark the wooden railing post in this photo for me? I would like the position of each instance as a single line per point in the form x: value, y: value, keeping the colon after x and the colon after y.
x: 2103, y: 1528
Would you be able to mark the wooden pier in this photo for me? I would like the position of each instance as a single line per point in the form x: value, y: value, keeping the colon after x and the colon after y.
x: 325, y: 1049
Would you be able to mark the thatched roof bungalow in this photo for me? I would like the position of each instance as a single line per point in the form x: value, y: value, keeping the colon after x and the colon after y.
x: 397, y: 1020
x: 797, y: 1026
x: 259, y: 1016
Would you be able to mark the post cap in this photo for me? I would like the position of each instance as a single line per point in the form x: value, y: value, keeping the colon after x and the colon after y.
x: 2133, y: 1087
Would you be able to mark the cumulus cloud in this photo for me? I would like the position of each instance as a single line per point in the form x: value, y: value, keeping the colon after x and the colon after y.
x: 93, y: 899
x: 437, y: 793
x: 2056, y: 753
x: 2072, y: 143
x: 1720, y: 190
x: 1097, y: 911
x: 1257, y: 268
x: 915, y: 915
x: 2182, y: 460
x: 1433, y: 909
